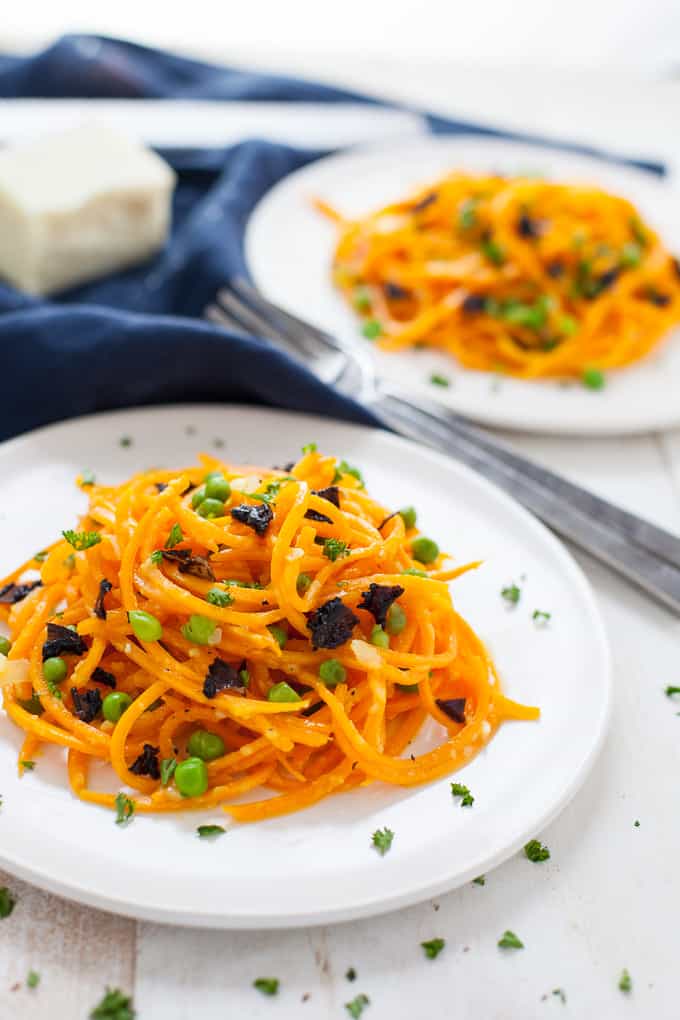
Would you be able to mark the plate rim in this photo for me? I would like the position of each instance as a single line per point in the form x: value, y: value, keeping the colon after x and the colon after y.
x: 143, y: 908
x: 494, y: 414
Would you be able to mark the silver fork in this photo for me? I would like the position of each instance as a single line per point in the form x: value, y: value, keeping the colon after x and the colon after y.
x: 640, y: 551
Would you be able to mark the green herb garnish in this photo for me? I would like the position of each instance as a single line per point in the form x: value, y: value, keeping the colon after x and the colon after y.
x: 433, y: 948
x: 309, y: 448
x: 32, y: 979
x: 439, y: 380
x: 218, y: 597
x: 351, y: 974
x: 356, y: 1007
x: 87, y: 478
x: 175, y: 537
x: 467, y: 213
x: 625, y: 982
x: 334, y: 548
x: 114, y: 1006
x: 492, y: 251
x: 125, y: 809
x: 382, y: 840
x: 28, y: 765
x: 509, y: 940
x: 168, y: 766
x: 156, y: 557
x: 536, y: 851
x: 268, y: 986
x: 511, y: 594
x: 205, y: 831
x: 671, y: 691
x: 7, y: 902
x: 81, y: 540
x: 458, y: 790
x: 41, y: 556
x: 343, y: 468
x: 540, y: 617
x: 480, y: 880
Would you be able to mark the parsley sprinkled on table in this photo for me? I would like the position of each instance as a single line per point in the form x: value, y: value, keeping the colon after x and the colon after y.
x: 458, y: 790
x: 433, y: 948
x: 32, y: 979
x: 268, y: 986
x: 125, y: 809
x: 672, y: 691
x: 511, y: 594
x: 560, y: 994
x: 625, y: 982
x: 351, y: 974
x: 480, y: 880
x: 541, y: 618
x: 356, y: 1007
x: 114, y: 1006
x: 509, y: 940
x: 440, y: 380
x: 87, y: 478
x: 206, y: 831
x: 7, y: 902
x: 536, y: 851
x: 636, y: 823
x: 382, y: 840
x: 125, y: 441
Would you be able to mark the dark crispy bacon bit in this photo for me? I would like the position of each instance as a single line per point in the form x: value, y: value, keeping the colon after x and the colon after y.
x: 161, y: 486
x: 526, y: 227
x: 189, y: 564
x: 99, y: 607
x: 102, y: 676
x: 555, y: 269
x: 660, y: 300
x: 62, y: 641
x: 313, y: 709
x: 147, y: 763
x: 474, y: 303
x: 396, y: 293
x: 378, y: 599
x: 332, y: 494
x: 220, y: 677
x: 389, y: 517
x: 608, y: 279
x: 453, y: 707
x: 12, y: 593
x: 87, y: 704
x: 331, y: 624
x: 425, y: 202
x: 256, y: 517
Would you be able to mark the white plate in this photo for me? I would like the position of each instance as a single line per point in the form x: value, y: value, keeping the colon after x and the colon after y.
x: 317, y: 866
x: 289, y: 247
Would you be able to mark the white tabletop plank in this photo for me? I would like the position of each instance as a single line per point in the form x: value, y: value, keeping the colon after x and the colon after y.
x: 76, y: 951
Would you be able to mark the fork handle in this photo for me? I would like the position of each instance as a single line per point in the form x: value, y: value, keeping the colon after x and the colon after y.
x: 648, y: 571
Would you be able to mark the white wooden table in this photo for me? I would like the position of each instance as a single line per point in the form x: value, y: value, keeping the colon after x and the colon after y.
x: 609, y: 896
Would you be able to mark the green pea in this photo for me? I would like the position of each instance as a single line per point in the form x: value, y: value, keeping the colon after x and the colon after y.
x: 593, y: 378
x: 396, y: 619
x: 198, y: 496
x: 332, y: 672
x: 217, y: 486
x: 302, y: 584
x: 145, y: 626
x: 191, y: 777
x: 424, y: 550
x: 114, y: 704
x: 408, y: 516
x: 371, y: 329
x: 205, y: 745
x: 282, y: 692
x: 199, y: 629
x: 5, y: 645
x: 211, y: 508
x: 279, y: 634
x: 379, y: 637
x: 54, y: 670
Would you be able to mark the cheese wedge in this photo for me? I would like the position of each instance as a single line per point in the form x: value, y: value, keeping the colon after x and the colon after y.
x: 77, y: 205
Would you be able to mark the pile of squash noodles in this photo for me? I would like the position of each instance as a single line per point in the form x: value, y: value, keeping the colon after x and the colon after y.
x: 250, y: 601
x: 516, y: 275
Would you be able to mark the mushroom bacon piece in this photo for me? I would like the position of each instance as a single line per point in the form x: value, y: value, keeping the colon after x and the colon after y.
x: 87, y: 703
x: 331, y: 624
x: 99, y: 607
x: 62, y: 641
x: 221, y: 677
x: 332, y: 495
x: 256, y: 517
x: 453, y: 707
x: 378, y: 599
x: 12, y: 593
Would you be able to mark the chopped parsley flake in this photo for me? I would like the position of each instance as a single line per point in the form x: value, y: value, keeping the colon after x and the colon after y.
x: 458, y: 790
x: 511, y: 594
x: 440, y: 380
x: 536, y: 851
x: 309, y: 448
x: 87, y: 478
x: 168, y: 766
x: 560, y: 994
x: 382, y: 840
x: 81, y: 540
x: 125, y: 809
x: 114, y: 1006
x: 509, y: 940
x: 540, y: 617
x: 205, y: 831
x: 218, y: 597
x: 625, y: 982
x: 175, y: 537
x: 480, y: 880
x: 125, y: 441
x: 671, y: 691
x: 433, y: 948
x: 32, y: 979
x: 41, y: 556
x: 268, y: 986
x: 156, y: 557
x: 636, y: 823
x: 343, y: 468
x: 334, y: 548
x: 7, y: 902
x: 351, y: 974
x: 356, y: 1007
x: 28, y: 765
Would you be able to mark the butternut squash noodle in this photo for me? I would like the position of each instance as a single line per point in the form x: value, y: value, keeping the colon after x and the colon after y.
x: 510, y: 274
x: 244, y: 627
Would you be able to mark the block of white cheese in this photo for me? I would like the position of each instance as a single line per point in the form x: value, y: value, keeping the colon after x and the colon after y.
x: 77, y: 205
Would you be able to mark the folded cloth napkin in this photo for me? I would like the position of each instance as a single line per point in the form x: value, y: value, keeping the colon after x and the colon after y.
x: 134, y: 337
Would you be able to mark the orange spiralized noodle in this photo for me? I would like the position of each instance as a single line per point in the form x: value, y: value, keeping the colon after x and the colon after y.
x: 281, y: 722
x: 510, y: 274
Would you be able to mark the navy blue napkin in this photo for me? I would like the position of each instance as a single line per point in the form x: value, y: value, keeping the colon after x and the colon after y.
x: 134, y: 337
